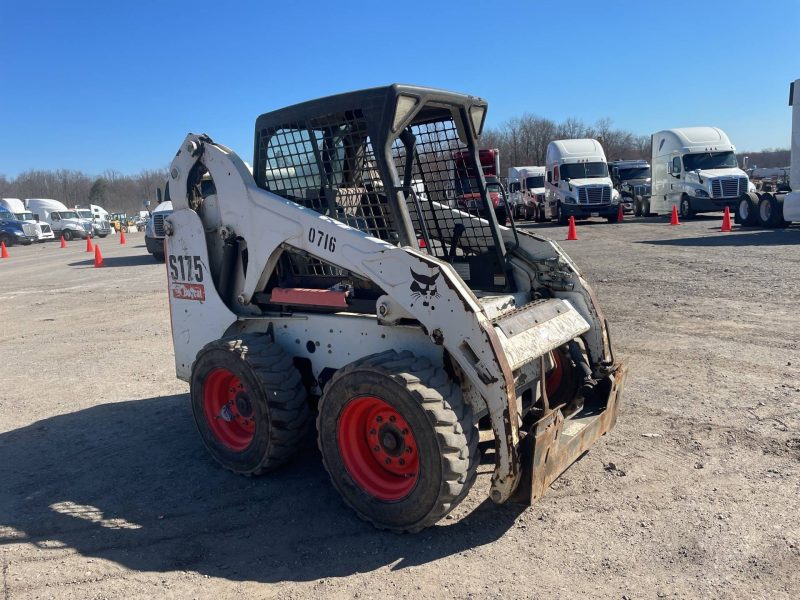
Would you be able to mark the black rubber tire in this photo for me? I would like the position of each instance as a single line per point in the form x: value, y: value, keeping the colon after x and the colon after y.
x: 770, y: 211
x: 443, y: 426
x: 8, y: 240
x: 613, y: 218
x: 637, y: 206
x: 158, y: 256
x: 562, y: 219
x: 685, y: 208
x: 67, y: 235
x: 501, y: 215
x: 747, y: 210
x: 281, y: 412
x: 646, y: 207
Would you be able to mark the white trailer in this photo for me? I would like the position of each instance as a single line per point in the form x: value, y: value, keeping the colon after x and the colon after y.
x: 526, y: 192
x: 577, y: 182
x: 41, y: 231
x: 695, y: 169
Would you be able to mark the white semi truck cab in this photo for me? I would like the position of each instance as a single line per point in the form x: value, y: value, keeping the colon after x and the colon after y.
x: 526, y: 191
x: 40, y: 231
x: 101, y: 226
x: 63, y: 221
x: 577, y: 182
x: 695, y: 169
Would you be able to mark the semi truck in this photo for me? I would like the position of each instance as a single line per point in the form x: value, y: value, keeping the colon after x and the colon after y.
x: 40, y: 231
x: 526, y: 192
x: 62, y: 220
x: 13, y: 231
x: 466, y: 184
x: 577, y: 182
x: 631, y: 178
x: 695, y: 169
x: 101, y: 227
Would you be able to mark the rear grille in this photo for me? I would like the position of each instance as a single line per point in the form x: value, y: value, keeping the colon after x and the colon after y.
x: 158, y: 225
x: 728, y: 187
x: 594, y: 194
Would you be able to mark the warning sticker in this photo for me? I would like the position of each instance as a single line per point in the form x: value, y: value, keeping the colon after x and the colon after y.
x: 188, y: 291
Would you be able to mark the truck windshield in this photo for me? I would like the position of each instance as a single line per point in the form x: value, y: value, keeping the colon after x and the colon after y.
x: 588, y: 170
x: 534, y: 182
x: 637, y: 173
x: 710, y: 160
x: 6, y: 216
x: 85, y: 214
x: 68, y: 214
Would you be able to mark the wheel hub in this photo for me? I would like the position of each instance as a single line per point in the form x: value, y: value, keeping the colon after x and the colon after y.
x: 228, y: 409
x: 243, y: 405
x: 378, y: 448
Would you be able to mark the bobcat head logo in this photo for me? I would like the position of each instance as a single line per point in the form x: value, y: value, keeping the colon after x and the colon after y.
x: 424, y: 286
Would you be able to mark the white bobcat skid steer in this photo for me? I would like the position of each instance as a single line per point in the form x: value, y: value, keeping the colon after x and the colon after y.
x: 337, y: 272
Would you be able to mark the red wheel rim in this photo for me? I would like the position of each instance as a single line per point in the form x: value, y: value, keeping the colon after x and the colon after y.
x: 553, y: 379
x: 378, y: 448
x: 229, y: 410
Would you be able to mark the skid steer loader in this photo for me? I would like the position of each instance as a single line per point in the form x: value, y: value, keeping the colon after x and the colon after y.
x: 338, y: 276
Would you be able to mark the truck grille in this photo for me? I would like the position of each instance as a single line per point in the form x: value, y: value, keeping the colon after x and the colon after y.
x: 29, y: 229
x: 158, y: 225
x: 594, y: 194
x: 728, y: 187
x: 45, y: 228
x: 643, y: 189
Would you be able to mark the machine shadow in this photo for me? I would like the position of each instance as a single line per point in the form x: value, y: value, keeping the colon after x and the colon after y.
x: 132, y: 483
x: 118, y: 261
x: 766, y: 237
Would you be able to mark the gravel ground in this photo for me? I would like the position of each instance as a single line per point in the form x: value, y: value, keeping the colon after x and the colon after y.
x: 107, y: 491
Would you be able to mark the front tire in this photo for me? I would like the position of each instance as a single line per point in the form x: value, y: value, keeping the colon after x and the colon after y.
x: 398, y: 441
x: 249, y: 403
x: 67, y: 234
x: 562, y: 218
x: 685, y: 208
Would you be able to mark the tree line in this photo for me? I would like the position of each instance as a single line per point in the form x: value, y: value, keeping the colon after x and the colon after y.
x: 112, y: 190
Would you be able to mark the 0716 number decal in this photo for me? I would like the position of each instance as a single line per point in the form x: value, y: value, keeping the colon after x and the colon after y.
x: 322, y: 240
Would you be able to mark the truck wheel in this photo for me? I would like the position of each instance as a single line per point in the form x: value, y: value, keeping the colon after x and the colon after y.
x: 399, y: 443
x: 747, y: 210
x: 562, y: 382
x: 646, y: 207
x: 770, y: 211
x: 562, y: 218
x: 249, y: 403
x: 686, y: 208
x: 67, y: 235
x: 501, y: 215
x: 637, y: 206
x: 158, y: 256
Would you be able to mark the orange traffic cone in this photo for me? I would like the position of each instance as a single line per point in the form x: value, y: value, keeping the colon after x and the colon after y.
x: 63, y: 242
x: 620, y: 213
x: 98, y: 257
x: 121, y: 235
x: 674, y: 220
x: 572, y: 234
x: 726, y: 221
x: 3, y: 251
x: 89, y: 247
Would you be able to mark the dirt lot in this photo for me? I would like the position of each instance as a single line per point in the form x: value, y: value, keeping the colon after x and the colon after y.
x: 107, y: 491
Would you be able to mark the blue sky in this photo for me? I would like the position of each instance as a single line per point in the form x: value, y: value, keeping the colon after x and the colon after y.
x: 117, y: 85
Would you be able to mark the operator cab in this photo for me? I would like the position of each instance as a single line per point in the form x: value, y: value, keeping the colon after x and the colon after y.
x: 381, y: 160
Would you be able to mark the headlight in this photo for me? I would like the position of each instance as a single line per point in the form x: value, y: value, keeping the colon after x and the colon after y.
x: 698, y: 193
x: 19, y: 232
x: 615, y: 196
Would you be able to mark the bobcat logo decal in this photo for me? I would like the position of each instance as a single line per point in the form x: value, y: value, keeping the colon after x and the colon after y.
x: 424, y: 286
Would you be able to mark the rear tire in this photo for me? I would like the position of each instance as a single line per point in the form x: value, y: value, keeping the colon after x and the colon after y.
x: 770, y: 211
x: 399, y: 443
x: 158, y: 256
x: 249, y: 403
x: 747, y: 210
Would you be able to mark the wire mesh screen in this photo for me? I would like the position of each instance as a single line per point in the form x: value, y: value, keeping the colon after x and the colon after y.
x: 444, y: 178
x: 328, y: 164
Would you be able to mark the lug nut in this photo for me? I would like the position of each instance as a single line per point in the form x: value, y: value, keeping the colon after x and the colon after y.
x: 372, y: 432
x: 392, y: 419
x: 377, y: 448
x: 379, y: 419
x: 388, y: 461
